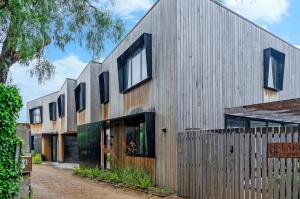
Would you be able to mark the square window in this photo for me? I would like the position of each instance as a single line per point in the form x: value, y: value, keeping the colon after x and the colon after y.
x: 135, y: 64
x: 274, y: 63
x: 36, y: 115
x: 140, y: 136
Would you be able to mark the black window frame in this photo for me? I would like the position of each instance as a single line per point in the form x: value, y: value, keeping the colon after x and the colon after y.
x: 31, y: 116
x: 278, y: 72
x: 104, y: 87
x: 149, y: 121
x: 61, y: 105
x: 80, y: 97
x: 144, y: 41
x: 52, y: 111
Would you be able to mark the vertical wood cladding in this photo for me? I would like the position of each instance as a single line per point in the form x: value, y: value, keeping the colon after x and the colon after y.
x: 220, y: 64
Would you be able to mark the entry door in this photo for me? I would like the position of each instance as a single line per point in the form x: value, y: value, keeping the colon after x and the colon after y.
x: 108, y: 148
x: 54, y: 148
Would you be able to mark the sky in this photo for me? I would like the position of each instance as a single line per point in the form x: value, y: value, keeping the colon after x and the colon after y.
x: 280, y: 17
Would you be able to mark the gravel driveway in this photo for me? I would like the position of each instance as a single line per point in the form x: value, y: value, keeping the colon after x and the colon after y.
x: 49, y: 182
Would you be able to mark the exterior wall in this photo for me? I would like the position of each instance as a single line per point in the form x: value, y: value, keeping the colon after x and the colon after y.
x: 23, y: 131
x: 64, y: 125
x: 89, y: 76
x: 220, y: 64
x: 68, y: 123
x: 47, y: 126
x: 159, y: 94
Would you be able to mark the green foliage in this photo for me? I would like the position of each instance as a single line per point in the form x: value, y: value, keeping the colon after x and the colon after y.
x: 28, y: 26
x: 127, y: 177
x: 36, y: 158
x: 10, y: 171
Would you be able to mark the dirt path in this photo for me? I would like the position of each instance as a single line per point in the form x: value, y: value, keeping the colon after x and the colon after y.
x: 53, y: 183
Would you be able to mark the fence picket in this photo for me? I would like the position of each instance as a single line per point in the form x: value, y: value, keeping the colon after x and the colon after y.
x: 234, y: 163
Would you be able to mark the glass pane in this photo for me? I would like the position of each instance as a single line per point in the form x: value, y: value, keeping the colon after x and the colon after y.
x: 257, y: 124
x: 272, y: 124
x: 127, y: 74
x: 144, y: 65
x: 136, y: 69
x: 143, y: 140
x: 236, y: 123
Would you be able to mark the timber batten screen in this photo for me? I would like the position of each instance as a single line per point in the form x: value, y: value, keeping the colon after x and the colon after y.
x: 89, y: 144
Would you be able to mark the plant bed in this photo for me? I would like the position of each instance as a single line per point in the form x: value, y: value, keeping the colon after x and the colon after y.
x: 134, y: 179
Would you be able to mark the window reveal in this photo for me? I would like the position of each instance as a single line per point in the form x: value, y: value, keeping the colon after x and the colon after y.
x: 36, y: 115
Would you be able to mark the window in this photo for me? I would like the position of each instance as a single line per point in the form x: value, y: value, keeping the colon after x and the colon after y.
x: 52, y: 111
x: 140, y: 137
x: 36, y: 115
x: 104, y: 87
x: 135, y: 64
x: 273, y: 69
x: 80, y: 97
x: 61, y: 105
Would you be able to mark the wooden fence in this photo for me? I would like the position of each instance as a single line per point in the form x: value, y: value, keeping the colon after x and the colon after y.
x: 234, y: 164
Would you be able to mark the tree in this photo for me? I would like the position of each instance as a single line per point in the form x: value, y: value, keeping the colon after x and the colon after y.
x: 27, y: 27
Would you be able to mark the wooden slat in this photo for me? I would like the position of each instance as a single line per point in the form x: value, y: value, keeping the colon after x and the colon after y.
x: 258, y: 163
x: 247, y: 164
x: 242, y: 162
x: 253, y: 161
x: 264, y: 163
x: 295, y: 168
x: 289, y: 172
x: 282, y: 133
x: 270, y: 132
x: 276, y: 184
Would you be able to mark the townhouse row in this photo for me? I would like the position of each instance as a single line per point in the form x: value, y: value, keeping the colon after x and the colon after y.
x: 187, y: 64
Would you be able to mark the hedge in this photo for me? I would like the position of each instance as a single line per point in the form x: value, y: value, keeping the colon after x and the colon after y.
x: 10, y: 172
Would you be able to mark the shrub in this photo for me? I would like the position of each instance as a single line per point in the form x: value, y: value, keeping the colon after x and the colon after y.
x: 36, y: 158
x: 10, y: 171
x: 127, y: 176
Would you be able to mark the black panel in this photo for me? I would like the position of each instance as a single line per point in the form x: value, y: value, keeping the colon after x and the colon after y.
x: 104, y: 87
x: 144, y: 41
x: 52, y: 111
x: 37, y: 144
x: 278, y: 64
x: 61, y: 105
x: 80, y: 97
x: 70, y: 148
x: 89, y: 147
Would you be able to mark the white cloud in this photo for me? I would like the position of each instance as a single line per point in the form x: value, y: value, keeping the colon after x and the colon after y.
x: 68, y: 67
x: 127, y: 9
x: 269, y: 11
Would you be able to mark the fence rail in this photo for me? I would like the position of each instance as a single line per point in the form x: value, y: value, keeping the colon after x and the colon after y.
x: 234, y: 164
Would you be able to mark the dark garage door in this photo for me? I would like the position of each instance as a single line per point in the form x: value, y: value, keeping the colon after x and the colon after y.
x: 70, y: 148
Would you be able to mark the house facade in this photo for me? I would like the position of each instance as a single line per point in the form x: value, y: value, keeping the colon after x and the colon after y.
x: 53, y: 124
x: 187, y: 64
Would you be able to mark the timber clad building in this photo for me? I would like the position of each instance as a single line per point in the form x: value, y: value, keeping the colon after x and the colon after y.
x: 188, y: 64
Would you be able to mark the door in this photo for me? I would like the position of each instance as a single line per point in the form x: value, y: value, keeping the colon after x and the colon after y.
x: 54, y: 148
x: 70, y: 148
